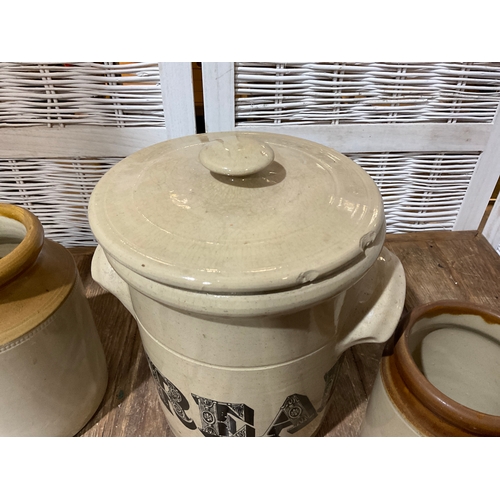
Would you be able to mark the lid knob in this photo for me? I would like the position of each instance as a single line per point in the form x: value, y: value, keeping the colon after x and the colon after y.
x: 236, y: 156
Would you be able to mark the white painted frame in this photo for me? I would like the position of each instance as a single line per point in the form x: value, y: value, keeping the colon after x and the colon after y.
x: 178, y: 98
x: 482, y: 183
x: 218, y: 88
x: 492, y: 228
x: 95, y: 141
x: 218, y: 96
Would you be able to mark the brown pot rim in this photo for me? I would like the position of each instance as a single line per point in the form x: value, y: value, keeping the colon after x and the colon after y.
x: 26, y: 253
x: 468, y: 420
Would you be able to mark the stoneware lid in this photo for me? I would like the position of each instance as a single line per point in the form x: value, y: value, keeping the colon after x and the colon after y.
x: 236, y: 212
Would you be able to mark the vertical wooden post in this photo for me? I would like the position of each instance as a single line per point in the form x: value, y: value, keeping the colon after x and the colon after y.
x: 492, y: 228
x: 178, y: 98
x: 218, y: 96
x: 482, y: 183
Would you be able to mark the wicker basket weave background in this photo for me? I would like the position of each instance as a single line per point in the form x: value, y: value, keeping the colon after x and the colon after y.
x: 422, y: 190
x: 343, y: 93
x: 105, y: 94
x: 442, y: 104
x: 112, y: 95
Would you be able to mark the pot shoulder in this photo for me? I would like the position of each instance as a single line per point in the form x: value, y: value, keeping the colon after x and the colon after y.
x: 34, y: 295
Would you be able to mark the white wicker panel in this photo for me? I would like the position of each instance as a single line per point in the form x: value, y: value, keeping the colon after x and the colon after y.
x: 426, y: 132
x: 80, y: 93
x: 343, y: 93
x: 420, y: 191
x: 57, y: 191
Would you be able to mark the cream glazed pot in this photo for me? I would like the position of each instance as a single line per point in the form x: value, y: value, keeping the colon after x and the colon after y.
x: 52, y: 367
x: 251, y: 262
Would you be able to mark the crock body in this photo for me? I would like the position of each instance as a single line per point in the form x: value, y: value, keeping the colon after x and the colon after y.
x: 251, y: 261
x: 53, y: 378
x: 52, y: 367
x: 266, y: 376
x: 259, y: 374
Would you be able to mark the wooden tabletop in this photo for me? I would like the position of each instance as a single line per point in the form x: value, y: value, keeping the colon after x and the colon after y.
x: 438, y: 265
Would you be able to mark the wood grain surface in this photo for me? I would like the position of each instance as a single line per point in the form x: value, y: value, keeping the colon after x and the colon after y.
x: 438, y: 265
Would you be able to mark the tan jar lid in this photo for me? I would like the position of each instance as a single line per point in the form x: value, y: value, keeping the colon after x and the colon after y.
x: 237, y: 212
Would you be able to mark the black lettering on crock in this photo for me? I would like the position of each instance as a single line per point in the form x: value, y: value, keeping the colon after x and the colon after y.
x: 297, y: 411
x: 218, y: 418
x: 171, y: 397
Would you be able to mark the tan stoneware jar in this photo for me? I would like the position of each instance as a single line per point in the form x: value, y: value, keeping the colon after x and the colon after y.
x: 52, y: 368
x: 441, y: 375
x: 251, y: 262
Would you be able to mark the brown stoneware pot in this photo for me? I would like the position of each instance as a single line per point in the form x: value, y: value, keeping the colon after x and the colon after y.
x: 441, y: 377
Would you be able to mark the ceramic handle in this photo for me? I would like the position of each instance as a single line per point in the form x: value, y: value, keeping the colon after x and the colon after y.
x: 106, y: 276
x: 236, y: 156
x: 373, y: 306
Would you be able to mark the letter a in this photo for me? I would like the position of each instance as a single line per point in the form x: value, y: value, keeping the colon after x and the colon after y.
x: 297, y: 411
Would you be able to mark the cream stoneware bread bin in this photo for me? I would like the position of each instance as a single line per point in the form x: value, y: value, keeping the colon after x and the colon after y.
x: 251, y: 262
x: 52, y: 368
x: 440, y: 376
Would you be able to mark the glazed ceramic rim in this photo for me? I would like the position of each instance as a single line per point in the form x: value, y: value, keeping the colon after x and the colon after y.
x: 26, y: 253
x: 244, y: 305
x: 437, y: 413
